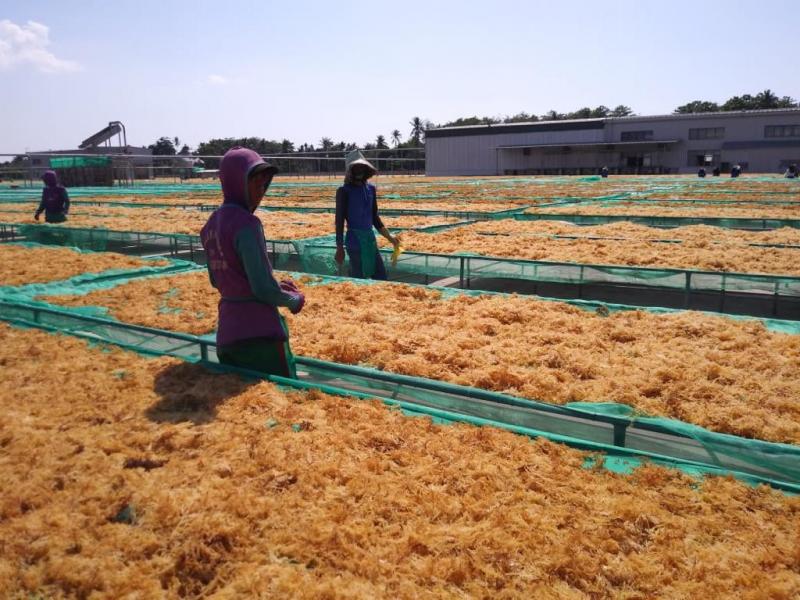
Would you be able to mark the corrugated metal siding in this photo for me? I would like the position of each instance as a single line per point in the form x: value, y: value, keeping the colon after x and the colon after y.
x: 477, y: 155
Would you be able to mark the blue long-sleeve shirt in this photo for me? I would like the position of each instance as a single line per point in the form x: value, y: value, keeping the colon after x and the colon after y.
x: 343, y: 211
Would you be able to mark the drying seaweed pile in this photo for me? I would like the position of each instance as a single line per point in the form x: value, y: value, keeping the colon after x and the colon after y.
x: 702, y: 254
x: 729, y: 376
x: 697, y: 235
x: 278, y: 225
x: 20, y: 265
x: 151, y: 477
x: 677, y: 209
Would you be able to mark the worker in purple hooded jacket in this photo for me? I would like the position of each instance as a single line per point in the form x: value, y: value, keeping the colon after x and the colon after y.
x: 55, y: 200
x: 251, y: 333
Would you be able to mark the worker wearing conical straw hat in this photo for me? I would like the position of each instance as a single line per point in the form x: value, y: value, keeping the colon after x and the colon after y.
x: 251, y: 333
x: 357, y: 206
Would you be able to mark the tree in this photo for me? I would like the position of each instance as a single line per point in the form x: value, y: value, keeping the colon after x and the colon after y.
x: 743, y: 102
x: 621, y: 111
x: 521, y: 117
x: 464, y: 121
x: 185, y: 151
x: 553, y: 115
x: 581, y: 113
x: 326, y: 143
x: 163, y: 147
x: 396, y: 136
x: 380, y: 142
x: 219, y: 146
x: 767, y: 99
x: 697, y: 106
x: 763, y: 100
x: 286, y: 146
x: 417, y: 127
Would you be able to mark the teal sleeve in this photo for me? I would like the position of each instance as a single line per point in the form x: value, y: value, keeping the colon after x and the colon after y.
x: 253, y: 253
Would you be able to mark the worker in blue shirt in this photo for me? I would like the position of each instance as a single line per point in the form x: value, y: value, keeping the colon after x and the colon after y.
x: 357, y: 205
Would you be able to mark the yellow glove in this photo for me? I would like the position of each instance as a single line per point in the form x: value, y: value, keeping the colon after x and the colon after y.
x: 398, y: 250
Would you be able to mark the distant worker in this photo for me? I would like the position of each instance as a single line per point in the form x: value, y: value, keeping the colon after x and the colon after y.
x: 198, y: 166
x: 604, y: 172
x: 357, y: 205
x: 701, y: 172
x: 736, y: 171
x: 55, y: 200
x: 715, y: 172
x: 250, y: 333
x: 791, y: 172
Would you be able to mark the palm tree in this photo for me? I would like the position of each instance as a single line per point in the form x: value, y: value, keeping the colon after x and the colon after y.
x: 326, y: 143
x: 417, y: 127
x: 380, y: 142
x: 396, y: 135
x: 767, y: 99
x: 287, y: 146
x: 621, y: 111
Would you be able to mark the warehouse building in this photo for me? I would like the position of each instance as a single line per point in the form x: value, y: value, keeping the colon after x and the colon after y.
x: 761, y: 141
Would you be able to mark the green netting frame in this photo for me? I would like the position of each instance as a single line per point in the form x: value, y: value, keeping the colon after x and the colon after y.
x: 317, y: 257
x: 610, y: 238
x: 618, y: 421
x: 791, y: 327
x: 107, y: 278
x: 697, y: 201
x: 665, y: 222
x: 386, y: 210
x: 628, y: 440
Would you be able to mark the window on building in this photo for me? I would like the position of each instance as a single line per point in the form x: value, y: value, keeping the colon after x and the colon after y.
x: 707, y: 133
x: 780, y: 131
x: 636, y: 136
x: 702, y: 158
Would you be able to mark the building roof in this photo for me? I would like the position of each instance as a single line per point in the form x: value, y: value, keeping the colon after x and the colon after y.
x: 563, y: 125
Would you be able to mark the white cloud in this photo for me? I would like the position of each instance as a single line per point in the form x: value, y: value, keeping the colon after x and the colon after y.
x: 217, y: 80
x: 27, y: 45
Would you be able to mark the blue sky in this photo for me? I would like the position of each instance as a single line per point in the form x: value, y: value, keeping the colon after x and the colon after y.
x: 352, y: 70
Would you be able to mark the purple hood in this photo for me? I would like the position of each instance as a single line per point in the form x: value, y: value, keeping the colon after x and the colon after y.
x: 50, y: 179
x: 236, y: 166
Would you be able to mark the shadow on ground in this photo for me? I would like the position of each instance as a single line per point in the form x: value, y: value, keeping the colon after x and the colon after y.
x: 192, y: 392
